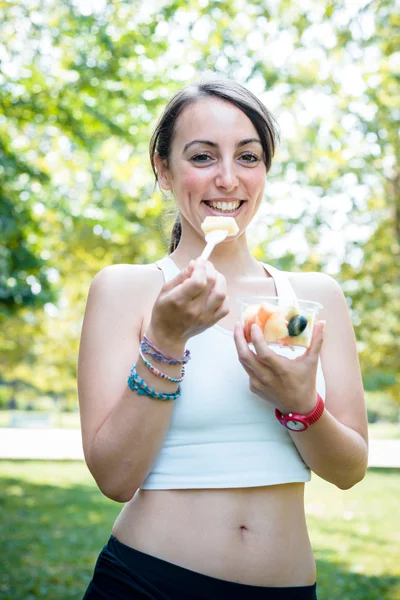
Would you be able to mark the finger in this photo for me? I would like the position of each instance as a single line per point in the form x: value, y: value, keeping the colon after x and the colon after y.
x: 246, y: 357
x: 252, y: 375
x: 244, y: 353
x: 217, y: 295
x: 264, y: 362
x: 197, y: 282
x: 222, y: 311
x: 180, y: 278
x: 190, y: 267
x: 263, y: 351
x: 257, y: 338
x: 316, y: 341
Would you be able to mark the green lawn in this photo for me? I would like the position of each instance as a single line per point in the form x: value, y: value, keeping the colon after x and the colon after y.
x: 54, y: 522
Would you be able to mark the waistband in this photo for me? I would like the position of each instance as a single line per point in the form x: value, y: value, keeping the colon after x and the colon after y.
x: 179, y: 583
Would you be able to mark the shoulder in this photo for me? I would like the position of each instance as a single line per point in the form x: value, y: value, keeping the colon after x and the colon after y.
x: 124, y: 291
x: 126, y: 278
x: 319, y: 287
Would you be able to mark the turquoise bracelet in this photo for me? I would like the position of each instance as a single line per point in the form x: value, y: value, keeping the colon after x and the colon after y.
x: 138, y: 385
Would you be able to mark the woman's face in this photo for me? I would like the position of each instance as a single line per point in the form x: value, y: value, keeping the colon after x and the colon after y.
x: 216, y: 165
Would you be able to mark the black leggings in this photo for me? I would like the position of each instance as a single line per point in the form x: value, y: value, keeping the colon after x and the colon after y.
x: 122, y: 573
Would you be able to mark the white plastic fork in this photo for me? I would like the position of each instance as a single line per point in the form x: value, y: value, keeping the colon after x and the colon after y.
x: 213, y: 238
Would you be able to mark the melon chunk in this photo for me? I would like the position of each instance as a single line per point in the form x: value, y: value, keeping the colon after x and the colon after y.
x: 258, y: 314
x: 275, y: 327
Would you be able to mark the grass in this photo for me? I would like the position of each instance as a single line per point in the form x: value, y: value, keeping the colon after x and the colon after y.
x: 55, y: 522
x: 356, y: 537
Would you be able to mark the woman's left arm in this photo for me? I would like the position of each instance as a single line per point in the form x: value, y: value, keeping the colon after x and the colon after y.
x: 336, y: 446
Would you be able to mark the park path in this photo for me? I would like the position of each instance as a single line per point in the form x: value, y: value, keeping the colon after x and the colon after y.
x: 66, y: 444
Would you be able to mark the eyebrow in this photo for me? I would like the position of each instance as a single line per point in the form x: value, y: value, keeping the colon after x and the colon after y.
x: 214, y: 145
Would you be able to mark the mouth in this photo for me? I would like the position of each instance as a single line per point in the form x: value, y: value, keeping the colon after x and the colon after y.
x: 223, y: 207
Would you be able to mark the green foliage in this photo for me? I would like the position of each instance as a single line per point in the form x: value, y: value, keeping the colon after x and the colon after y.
x: 381, y: 408
x: 80, y: 88
x: 23, y: 280
x: 56, y: 522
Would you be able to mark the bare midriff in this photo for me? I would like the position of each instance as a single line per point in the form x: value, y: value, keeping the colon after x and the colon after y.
x: 255, y: 536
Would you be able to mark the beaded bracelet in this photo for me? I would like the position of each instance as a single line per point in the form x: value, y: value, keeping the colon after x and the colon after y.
x: 138, y: 385
x: 148, y: 347
x: 161, y: 374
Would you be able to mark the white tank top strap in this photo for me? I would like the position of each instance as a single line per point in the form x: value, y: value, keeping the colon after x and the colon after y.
x: 284, y: 288
x: 168, y: 267
x: 285, y: 291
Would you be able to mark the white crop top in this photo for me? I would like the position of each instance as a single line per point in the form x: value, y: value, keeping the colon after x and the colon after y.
x: 221, y: 435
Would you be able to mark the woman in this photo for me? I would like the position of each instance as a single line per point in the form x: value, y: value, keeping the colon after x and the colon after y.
x: 212, y: 481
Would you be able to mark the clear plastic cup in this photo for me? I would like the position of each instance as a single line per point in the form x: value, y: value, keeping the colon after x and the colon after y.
x: 283, y: 323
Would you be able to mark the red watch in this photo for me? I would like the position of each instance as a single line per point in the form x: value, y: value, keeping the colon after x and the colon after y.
x: 296, y: 422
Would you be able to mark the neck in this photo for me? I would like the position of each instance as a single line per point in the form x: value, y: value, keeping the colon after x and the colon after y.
x: 231, y: 258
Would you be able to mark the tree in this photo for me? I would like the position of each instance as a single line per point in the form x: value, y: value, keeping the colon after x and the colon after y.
x: 81, y: 85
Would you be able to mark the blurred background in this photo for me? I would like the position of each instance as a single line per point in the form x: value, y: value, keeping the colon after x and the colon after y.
x: 82, y: 83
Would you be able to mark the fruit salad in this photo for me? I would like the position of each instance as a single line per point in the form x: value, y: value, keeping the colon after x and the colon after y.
x: 283, y: 324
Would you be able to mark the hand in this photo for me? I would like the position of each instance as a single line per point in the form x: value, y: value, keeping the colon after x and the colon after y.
x: 190, y: 303
x: 289, y: 384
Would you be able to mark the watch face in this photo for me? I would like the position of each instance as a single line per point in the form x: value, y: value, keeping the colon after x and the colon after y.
x: 295, y: 425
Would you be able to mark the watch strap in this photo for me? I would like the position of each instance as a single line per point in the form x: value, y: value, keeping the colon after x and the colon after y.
x: 316, y: 414
x: 308, y: 419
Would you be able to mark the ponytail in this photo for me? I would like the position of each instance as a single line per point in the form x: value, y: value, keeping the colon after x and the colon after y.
x: 175, y: 235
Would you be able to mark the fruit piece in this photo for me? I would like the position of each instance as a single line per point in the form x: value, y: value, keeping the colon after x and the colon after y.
x: 280, y: 325
x: 290, y: 341
x: 258, y: 314
x: 265, y: 311
x: 286, y: 341
x: 217, y: 223
x: 292, y: 312
x: 297, y: 325
x: 275, y: 327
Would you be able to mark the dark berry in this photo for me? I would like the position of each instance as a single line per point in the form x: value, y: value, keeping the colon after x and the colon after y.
x: 297, y: 325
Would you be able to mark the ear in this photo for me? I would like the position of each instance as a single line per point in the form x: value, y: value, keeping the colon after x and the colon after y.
x: 164, y: 175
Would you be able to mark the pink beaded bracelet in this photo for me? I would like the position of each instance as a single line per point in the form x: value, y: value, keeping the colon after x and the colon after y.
x: 161, y: 374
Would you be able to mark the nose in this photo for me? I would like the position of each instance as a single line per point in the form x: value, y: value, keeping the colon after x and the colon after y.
x: 227, y: 178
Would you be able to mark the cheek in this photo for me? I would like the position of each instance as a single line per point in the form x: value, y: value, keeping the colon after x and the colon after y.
x: 256, y: 181
x: 193, y: 179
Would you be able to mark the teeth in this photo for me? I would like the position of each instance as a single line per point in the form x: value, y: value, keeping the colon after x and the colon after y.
x: 225, y: 206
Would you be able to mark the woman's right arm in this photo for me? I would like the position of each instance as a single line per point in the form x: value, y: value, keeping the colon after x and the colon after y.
x: 123, y: 432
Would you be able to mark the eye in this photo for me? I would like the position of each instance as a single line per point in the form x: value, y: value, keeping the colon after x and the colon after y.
x: 201, y: 158
x: 249, y: 157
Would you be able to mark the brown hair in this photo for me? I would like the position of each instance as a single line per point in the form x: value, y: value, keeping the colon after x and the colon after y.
x: 230, y: 91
